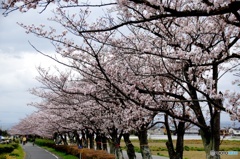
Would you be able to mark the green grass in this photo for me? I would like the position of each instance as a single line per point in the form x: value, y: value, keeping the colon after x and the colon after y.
x: 62, y: 155
x: 17, y: 153
x: 193, y: 149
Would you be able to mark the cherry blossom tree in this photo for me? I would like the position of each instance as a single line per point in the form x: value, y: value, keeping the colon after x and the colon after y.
x: 170, y: 53
x: 117, y: 115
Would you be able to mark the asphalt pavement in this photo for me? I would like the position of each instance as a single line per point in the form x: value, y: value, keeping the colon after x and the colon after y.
x: 35, y: 152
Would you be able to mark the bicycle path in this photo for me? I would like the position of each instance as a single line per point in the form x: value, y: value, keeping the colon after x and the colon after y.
x: 35, y: 152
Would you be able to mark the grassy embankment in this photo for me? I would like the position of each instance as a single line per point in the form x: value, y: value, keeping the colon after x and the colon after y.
x: 17, y: 153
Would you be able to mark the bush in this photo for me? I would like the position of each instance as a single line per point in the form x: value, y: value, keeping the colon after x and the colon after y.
x: 75, y: 151
x: 15, y: 145
x: 95, y: 154
x: 186, y: 148
x: 2, y: 156
x: 45, y: 142
x: 7, y: 148
x: 61, y: 148
x: 14, y: 154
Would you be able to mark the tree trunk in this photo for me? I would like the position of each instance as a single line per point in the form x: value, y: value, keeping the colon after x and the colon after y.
x: 70, y: 137
x: 64, y: 139
x: 211, y: 138
x: 208, y: 141
x: 90, y: 137
x: 78, y: 140
x: 145, y: 150
x: 111, y: 146
x: 98, y: 141
x: 104, y: 142
x: 130, y: 148
x: 84, y: 140
x: 115, y: 144
x: 180, y: 140
x: 91, y: 140
x: 178, y: 153
x: 169, y: 143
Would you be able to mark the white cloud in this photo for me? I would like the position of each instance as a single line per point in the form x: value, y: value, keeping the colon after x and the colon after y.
x: 17, y: 77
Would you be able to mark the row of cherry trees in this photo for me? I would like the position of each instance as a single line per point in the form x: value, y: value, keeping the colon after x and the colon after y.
x: 141, y: 58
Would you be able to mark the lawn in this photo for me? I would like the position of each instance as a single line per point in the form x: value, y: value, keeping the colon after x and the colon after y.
x: 63, y: 155
x: 193, y: 148
x: 17, y: 153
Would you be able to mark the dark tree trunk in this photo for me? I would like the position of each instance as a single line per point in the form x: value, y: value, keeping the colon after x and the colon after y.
x: 78, y: 140
x: 71, y: 137
x: 90, y: 137
x: 91, y: 140
x: 104, y: 142
x: 211, y: 135
x: 130, y: 148
x: 180, y: 140
x: 84, y: 140
x: 169, y: 143
x: 64, y: 139
x: 178, y: 153
x: 114, y: 143
x: 145, y: 150
x: 98, y: 141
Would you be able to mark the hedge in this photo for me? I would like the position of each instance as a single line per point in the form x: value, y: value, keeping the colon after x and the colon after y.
x: 7, y: 148
x: 85, y: 153
x: 75, y: 151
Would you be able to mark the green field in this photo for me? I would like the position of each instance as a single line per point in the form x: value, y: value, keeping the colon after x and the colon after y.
x: 193, y: 149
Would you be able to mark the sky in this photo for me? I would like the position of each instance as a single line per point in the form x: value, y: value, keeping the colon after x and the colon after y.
x: 18, y: 62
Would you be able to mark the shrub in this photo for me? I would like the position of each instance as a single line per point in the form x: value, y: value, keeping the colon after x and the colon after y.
x: 200, y: 149
x: 95, y: 154
x: 15, y: 145
x: 61, y: 148
x: 73, y: 150
x: 2, y: 156
x: 45, y: 142
x: 186, y: 148
x: 13, y: 154
x: 6, y: 148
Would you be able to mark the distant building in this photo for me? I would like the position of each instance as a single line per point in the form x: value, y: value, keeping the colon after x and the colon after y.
x: 193, y: 130
x: 234, y: 131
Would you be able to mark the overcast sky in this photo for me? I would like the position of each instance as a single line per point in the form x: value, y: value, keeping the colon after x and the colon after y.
x: 18, y: 62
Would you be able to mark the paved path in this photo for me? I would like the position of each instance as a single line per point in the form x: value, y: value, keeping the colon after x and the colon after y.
x: 35, y: 152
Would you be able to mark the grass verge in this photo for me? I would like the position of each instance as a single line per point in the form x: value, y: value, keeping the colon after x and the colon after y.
x: 62, y: 155
x: 17, y: 153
